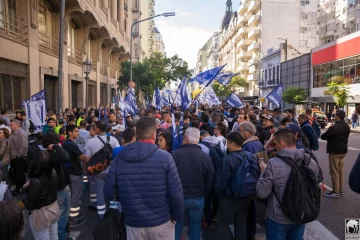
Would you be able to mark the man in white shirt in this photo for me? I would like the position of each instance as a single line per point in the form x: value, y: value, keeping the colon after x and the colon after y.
x: 93, y: 145
x: 220, y: 131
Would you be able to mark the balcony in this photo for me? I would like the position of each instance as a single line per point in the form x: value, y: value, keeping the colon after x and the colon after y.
x: 244, y: 18
x: 75, y: 56
x: 135, y: 6
x: 48, y: 45
x: 244, y: 54
x: 241, y: 32
x: 244, y: 43
x: 253, y: 34
x: 253, y: 68
x: 254, y: 5
x: 254, y: 19
x: 329, y: 33
x: 254, y: 61
x: 330, y: 21
x: 242, y: 8
x: 253, y: 47
x: 243, y: 66
x: 14, y: 29
x: 253, y: 77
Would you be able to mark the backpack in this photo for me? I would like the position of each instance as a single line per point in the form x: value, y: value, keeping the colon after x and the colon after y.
x: 301, y: 199
x: 316, y: 128
x: 245, y: 176
x: 101, y: 159
x: 312, y: 155
x: 216, y: 154
x: 315, y: 146
x: 32, y: 126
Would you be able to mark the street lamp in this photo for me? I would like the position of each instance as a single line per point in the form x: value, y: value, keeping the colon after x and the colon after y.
x: 87, y: 70
x: 167, y: 14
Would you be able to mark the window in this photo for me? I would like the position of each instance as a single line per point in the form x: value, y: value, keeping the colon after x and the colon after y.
x: 304, y: 16
x: 269, y: 74
x: 71, y: 39
x: 125, y: 25
x: 42, y: 18
x: 12, y: 14
x: 304, y: 2
x: 11, y: 88
x: 303, y: 29
x: 344, y: 10
x: 274, y: 74
x: 265, y: 76
x: 277, y: 74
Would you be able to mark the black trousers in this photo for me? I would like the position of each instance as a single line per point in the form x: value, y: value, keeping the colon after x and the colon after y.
x: 232, y: 211
x: 211, y: 208
x: 251, y: 220
x: 18, y: 164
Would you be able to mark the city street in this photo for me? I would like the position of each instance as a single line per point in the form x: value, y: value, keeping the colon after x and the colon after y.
x: 330, y: 224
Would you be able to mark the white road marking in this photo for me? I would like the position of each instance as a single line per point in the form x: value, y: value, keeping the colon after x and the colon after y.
x: 316, y: 231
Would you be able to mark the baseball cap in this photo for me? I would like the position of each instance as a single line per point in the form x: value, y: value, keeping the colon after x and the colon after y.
x: 269, y: 117
x: 294, y: 127
x: 119, y: 127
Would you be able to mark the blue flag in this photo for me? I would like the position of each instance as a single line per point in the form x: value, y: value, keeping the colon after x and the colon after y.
x: 176, y: 132
x: 234, y: 101
x: 225, y: 78
x: 131, y: 101
x: 157, y: 98
x: 36, y: 97
x: 99, y: 113
x: 206, y: 77
x: 275, y: 96
x: 185, y: 100
x: 105, y: 114
x: 210, y: 97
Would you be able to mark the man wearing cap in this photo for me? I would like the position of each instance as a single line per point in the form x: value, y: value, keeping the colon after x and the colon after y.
x: 118, y: 133
x: 268, y: 126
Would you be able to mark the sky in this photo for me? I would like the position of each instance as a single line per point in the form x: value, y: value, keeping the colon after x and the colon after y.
x: 193, y: 25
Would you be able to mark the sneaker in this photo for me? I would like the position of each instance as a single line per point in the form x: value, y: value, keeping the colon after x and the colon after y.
x: 205, y: 225
x: 341, y: 193
x: 214, y: 219
x: 74, y: 222
x: 332, y: 194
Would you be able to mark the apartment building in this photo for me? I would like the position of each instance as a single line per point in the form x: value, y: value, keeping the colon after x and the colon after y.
x: 136, y: 16
x: 212, y: 54
x: 147, y: 8
x: 159, y: 44
x: 201, y: 60
x: 337, y: 18
x: 29, y: 40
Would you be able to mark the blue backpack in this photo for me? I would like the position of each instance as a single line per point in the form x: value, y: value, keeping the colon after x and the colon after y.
x: 245, y: 176
x: 316, y: 128
x: 216, y: 154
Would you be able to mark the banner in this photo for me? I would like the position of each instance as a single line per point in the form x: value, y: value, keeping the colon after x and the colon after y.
x: 206, y: 77
x: 208, y: 96
x: 169, y: 97
x: 225, y: 78
x: 275, y: 96
x: 36, y: 112
x: 234, y: 101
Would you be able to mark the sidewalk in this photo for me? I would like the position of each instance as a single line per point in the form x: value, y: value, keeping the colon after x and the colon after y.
x: 357, y: 130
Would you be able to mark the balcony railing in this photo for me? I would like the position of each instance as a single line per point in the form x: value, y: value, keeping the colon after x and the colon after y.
x: 48, y: 45
x: 12, y: 28
x: 75, y: 56
x: 93, y: 64
x: 103, y: 69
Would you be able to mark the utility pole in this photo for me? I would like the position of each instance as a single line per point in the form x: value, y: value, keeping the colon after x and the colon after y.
x: 61, y: 48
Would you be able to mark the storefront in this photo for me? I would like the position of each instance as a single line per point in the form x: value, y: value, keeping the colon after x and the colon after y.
x: 338, y: 61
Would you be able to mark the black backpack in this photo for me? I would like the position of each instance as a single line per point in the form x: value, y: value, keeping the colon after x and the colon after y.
x: 101, y: 159
x: 216, y: 154
x: 301, y: 199
x: 32, y: 126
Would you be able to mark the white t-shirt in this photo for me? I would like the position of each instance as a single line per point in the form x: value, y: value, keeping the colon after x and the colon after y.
x: 94, y: 144
x: 82, y: 139
x: 222, y: 143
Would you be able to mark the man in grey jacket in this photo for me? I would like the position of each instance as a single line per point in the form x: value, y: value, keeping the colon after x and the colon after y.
x: 272, y: 181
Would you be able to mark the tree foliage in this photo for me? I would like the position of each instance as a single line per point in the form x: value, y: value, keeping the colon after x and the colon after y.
x: 153, y: 71
x: 294, y: 95
x: 224, y: 91
x: 340, y: 91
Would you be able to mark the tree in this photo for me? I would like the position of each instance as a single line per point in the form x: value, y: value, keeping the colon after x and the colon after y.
x: 294, y: 95
x: 224, y: 91
x: 340, y: 91
x: 153, y: 71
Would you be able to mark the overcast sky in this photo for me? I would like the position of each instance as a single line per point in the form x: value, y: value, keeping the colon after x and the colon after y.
x: 193, y: 25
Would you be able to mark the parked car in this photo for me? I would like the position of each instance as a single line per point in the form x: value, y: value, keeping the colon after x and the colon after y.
x: 320, y: 118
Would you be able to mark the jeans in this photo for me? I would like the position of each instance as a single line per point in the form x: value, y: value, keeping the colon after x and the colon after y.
x: 193, y: 208
x: 50, y: 233
x: 354, y: 124
x: 277, y: 231
x: 232, y: 210
x: 63, y: 199
x: 99, y: 189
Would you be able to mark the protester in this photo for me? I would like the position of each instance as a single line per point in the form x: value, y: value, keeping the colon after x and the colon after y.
x: 165, y: 141
x: 25, y: 124
x: 196, y: 173
x: 220, y: 131
x: 4, y: 118
x: 268, y: 128
x: 205, y: 126
x: 309, y: 131
x: 240, y: 118
x: 291, y: 114
x: 118, y: 132
x: 60, y: 125
x: 337, y: 137
x: 354, y: 119
x: 12, y: 220
x: 278, y: 117
x: 51, y: 123
x: 2, y: 125
x: 144, y: 165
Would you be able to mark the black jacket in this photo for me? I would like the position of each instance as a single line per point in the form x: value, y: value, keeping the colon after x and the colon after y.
x: 354, y: 176
x: 40, y: 194
x: 208, y: 128
x: 265, y: 134
x: 337, y: 137
x: 59, y: 157
x: 195, y: 170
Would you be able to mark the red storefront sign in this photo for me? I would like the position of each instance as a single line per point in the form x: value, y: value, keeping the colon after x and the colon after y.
x: 338, y: 51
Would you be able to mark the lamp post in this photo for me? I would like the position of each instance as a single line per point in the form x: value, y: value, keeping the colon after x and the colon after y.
x: 168, y: 14
x: 87, y: 70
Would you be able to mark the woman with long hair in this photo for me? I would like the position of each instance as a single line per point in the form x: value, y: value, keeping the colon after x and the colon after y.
x: 40, y: 198
x: 165, y: 141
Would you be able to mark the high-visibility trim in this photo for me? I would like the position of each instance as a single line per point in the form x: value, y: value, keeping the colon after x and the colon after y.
x: 74, y: 209
x: 92, y: 195
x: 101, y: 207
x: 85, y: 180
x: 74, y: 214
x: 101, y: 212
x: 92, y: 200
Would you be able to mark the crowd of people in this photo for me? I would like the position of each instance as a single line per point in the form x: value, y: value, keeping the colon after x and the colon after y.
x: 229, y: 159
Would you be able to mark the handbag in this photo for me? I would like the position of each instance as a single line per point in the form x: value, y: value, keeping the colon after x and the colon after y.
x: 42, y: 218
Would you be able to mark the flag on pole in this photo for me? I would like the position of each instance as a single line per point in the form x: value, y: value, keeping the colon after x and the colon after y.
x: 234, y: 101
x: 206, y: 77
x: 275, y: 96
x: 185, y: 100
x: 176, y: 133
x: 131, y: 101
x: 225, y: 78
x: 157, y: 98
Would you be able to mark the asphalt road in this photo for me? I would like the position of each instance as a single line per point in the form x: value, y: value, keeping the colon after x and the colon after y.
x: 330, y: 225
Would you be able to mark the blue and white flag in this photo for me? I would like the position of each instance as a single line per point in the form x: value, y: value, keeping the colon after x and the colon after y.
x: 275, y: 96
x: 206, y: 77
x: 225, y: 78
x: 131, y: 101
x: 176, y: 132
x: 185, y: 100
x: 36, y: 112
x: 210, y: 97
x: 234, y: 101
x: 37, y: 96
x: 157, y: 97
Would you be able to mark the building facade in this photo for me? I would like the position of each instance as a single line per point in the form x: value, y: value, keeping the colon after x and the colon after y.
x: 29, y: 36
x: 201, y: 59
x: 159, y: 43
x: 337, y: 61
x: 227, y: 48
x: 136, y: 16
x: 212, y: 54
x: 337, y: 19
x: 147, y: 8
